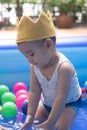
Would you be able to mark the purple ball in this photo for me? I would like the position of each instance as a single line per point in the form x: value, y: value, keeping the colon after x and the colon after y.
x: 25, y: 107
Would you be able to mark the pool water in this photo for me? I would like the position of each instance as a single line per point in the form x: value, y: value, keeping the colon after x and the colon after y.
x: 75, y: 48
x: 80, y: 122
x: 15, y: 123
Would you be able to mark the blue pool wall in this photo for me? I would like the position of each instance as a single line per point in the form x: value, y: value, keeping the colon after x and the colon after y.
x: 14, y: 66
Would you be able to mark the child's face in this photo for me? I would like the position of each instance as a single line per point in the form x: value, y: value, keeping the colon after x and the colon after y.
x: 36, y: 52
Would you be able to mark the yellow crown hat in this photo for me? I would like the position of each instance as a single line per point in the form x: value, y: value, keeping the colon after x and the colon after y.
x: 31, y: 30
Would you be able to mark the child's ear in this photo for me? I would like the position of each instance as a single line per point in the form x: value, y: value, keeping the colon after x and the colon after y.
x: 48, y: 43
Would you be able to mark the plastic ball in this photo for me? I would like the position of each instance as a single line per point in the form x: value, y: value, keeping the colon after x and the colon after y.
x: 3, y: 89
x: 8, y: 97
x: 25, y: 107
x: 20, y: 100
x: 19, y: 86
x: 83, y: 90
x: 20, y: 92
x: 9, y: 109
x: 85, y: 84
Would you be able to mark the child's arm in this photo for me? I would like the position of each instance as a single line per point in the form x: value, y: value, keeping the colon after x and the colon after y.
x: 34, y: 94
x: 34, y: 97
x: 65, y: 74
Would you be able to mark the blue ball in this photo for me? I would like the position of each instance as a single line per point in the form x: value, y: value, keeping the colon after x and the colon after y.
x: 85, y: 84
x: 25, y: 107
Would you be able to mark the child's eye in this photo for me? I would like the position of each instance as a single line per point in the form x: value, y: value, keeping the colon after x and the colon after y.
x: 32, y: 54
x: 26, y: 56
x: 29, y: 55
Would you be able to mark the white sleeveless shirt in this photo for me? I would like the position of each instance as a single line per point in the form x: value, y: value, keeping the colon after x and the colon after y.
x: 49, y: 88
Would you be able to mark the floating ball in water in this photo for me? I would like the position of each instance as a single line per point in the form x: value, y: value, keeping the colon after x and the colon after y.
x: 9, y: 109
x: 83, y: 90
x: 20, y: 100
x: 3, y: 89
x: 20, y: 92
x: 19, y: 86
x: 85, y: 84
x: 84, y: 93
x: 25, y: 107
x: 8, y: 97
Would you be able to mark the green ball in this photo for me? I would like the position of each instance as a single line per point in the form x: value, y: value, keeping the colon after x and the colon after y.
x: 9, y: 109
x: 8, y: 97
x: 3, y: 89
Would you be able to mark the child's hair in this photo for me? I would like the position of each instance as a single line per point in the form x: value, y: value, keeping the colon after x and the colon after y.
x: 42, y: 41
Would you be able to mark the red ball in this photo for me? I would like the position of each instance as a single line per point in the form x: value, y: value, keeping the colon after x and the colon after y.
x: 20, y: 92
x: 19, y: 86
x: 20, y: 100
x: 83, y: 90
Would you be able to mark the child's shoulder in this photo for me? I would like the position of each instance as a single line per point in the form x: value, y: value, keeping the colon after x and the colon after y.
x: 63, y: 57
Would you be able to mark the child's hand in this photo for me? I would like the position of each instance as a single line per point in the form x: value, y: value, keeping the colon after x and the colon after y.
x: 28, y: 123
x: 2, y: 128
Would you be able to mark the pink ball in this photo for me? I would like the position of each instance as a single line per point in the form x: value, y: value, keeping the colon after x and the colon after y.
x: 20, y: 100
x: 20, y: 92
x: 83, y: 90
x: 19, y: 86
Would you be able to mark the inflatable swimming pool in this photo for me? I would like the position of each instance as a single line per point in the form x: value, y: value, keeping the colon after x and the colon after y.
x: 15, y: 67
